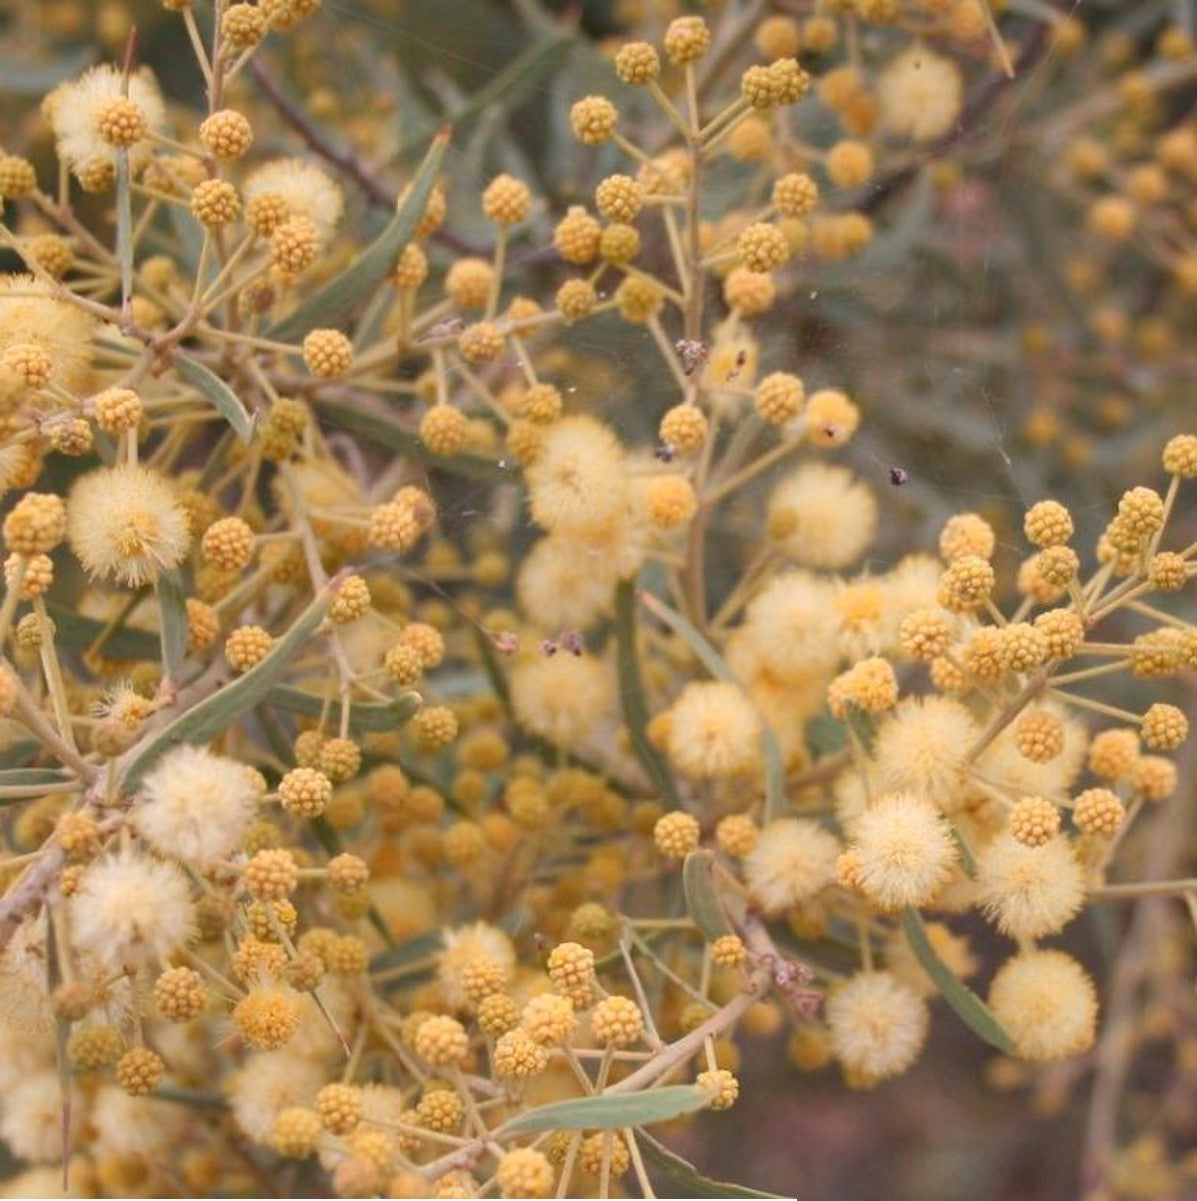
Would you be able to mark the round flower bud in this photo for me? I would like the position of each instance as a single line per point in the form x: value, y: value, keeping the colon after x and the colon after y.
x: 120, y: 122
x: 779, y: 398
x: 506, y: 200
x: 684, y: 428
x: 593, y: 120
x: 687, y: 39
x: 721, y: 1084
x: 1048, y: 523
x: 1034, y: 821
x: 676, y: 834
x: 576, y: 237
x: 617, y: 1021
x: 441, y: 1041
x: 305, y: 792
x: 1164, y: 727
x: 215, y: 202
x: 246, y: 647
x: 525, y: 1172
x: 139, y: 1070
x: 1180, y: 456
x: 762, y: 247
x: 1098, y: 811
x: 327, y: 353
x: 444, y: 429
x: 226, y: 134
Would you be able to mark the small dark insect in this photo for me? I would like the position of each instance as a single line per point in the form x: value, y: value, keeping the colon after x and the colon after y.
x: 665, y: 452
x: 693, y: 354
x: 548, y: 648
x: 898, y: 476
x: 741, y: 359
x: 572, y: 641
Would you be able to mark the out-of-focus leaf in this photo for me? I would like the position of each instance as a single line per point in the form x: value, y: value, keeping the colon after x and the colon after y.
x: 521, y: 77
x: 20, y: 77
x: 75, y: 632
x: 385, y: 431
x: 611, y: 1111
x: 218, y: 392
x: 362, y: 717
x: 333, y: 303
x: 203, y: 721
x: 702, y: 898
x: 172, y: 609
x: 971, y: 1009
x: 189, y: 235
x: 691, y: 1182
x: 713, y: 662
x: 631, y: 693
x: 411, y: 950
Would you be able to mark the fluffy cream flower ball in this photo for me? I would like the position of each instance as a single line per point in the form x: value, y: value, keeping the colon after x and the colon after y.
x: 195, y: 806
x: 126, y: 524
x: 921, y: 94
x: 714, y: 731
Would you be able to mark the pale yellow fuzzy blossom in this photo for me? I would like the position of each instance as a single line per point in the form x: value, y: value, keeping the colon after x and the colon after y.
x: 714, y: 731
x: 195, y: 806
x: 131, y: 909
x: 878, y: 1025
x: 74, y: 107
x: 822, y: 516
x: 125, y: 524
x: 305, y: 189
x: 793, y: 860
x: 920, y: 94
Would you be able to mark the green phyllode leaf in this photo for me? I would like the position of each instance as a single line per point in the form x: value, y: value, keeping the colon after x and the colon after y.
x: 333, y: 303
x: 223, y: 398
x: 612, y: 1111
x: 216, y: 713
x: 631, y: 694
x: 971, y: 1009
x: 702, y: 898
x: 692, y: 1183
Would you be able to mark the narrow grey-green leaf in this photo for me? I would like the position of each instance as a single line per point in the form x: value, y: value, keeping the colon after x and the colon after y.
x: 226, y: 401
x: 631, y: 694
x: 48, y: 778
x: 124, y: 225
x: 384, y: 430
x: 702, y: 898
x: 203, y: 721
x: 362, y: 717
x: 692, y: 1183
x: 969, y: 1007
x: 775, y: 776
x: 520, y: 77
x: 172, y: 610
x: 332, y: 304
x: 967, y: 855
x: 410, y: 950
x: 611, y: 1111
